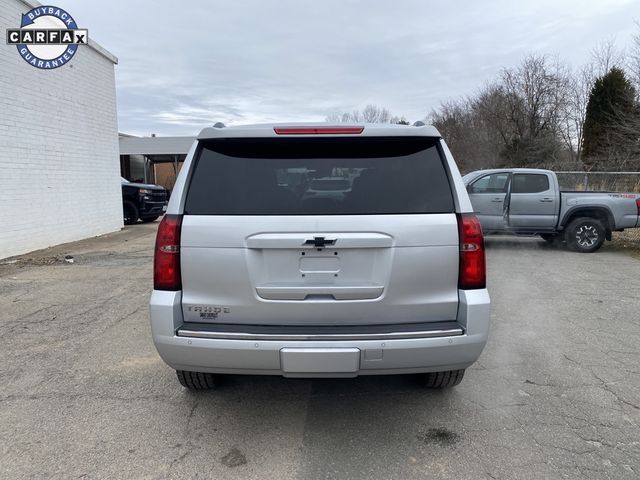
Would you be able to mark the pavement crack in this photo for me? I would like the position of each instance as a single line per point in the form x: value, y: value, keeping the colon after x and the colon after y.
x: 606, y: 386
x: 188, y: 442
x: 127, y: 315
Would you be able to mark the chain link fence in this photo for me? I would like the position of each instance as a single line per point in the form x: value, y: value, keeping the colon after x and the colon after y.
x: 600, y: 181
x: 609, y: 182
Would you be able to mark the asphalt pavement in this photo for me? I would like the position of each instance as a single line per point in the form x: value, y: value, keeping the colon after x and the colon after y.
x: 83, y: 393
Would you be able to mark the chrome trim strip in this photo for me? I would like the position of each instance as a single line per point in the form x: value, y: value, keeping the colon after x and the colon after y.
x: 335, y: 336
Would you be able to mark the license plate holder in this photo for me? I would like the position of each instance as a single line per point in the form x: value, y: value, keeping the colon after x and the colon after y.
x: 319, y: 360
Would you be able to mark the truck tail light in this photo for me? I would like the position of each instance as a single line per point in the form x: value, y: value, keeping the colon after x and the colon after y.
x: 638, y: 205
x: 166, y: 261
x: 318, y: 130
x: 473, y: 270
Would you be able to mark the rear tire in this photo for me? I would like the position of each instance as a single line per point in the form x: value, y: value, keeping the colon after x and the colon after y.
x: 149, y: 219
x: 130, y: 212
x: 443, y: 379
x: 197, y: 380
x: 585, y: 234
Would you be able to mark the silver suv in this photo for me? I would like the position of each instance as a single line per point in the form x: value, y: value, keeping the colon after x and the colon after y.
x: 255, y: 273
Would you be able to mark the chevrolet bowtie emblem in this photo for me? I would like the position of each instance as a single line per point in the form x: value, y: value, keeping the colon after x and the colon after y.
x: 320, y: 242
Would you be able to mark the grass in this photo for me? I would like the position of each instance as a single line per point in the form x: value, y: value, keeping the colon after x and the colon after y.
x: 629, y: 240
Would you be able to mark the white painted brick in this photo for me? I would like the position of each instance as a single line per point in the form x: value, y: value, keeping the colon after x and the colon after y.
x: 59, y: 164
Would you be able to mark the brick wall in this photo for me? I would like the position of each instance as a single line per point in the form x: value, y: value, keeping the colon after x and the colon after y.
x: 59, y: 163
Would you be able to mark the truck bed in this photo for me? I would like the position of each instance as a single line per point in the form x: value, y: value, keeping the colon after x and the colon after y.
x: 620, y: 208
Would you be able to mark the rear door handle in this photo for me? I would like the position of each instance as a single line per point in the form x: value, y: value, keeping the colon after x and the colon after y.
x: 546, y: 200
x: 496, y: 200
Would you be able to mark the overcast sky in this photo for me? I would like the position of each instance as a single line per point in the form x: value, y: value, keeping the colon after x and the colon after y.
x: 296, y: 60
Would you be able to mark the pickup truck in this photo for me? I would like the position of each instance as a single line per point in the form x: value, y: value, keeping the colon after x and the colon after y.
x: 142, y: 201
x: 529, y: 201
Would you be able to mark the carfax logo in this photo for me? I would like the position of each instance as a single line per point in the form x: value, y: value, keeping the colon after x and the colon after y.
x: 48, y: 37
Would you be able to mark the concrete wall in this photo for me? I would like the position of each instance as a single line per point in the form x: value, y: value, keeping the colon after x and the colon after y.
x: 59, y: 163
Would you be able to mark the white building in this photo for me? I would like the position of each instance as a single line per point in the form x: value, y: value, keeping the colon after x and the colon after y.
x: 59, y: 158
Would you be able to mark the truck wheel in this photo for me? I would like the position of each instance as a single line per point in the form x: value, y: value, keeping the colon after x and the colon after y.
x: 584, y: 234
x: 550, y: 237
x: 149, y: 219
x: 130, y: 212
x: 197, y: 380
x: 443, y: 379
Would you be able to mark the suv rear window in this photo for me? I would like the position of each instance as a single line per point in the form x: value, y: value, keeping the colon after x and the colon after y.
x: 324, y: 176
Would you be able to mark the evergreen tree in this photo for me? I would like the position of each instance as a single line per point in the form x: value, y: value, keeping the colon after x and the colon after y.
x: 610, y: 108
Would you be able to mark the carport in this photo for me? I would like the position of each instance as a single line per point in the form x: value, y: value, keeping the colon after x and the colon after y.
x: 139, y: 157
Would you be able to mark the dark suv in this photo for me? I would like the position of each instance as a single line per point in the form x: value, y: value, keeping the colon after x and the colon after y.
x: 141, y: 201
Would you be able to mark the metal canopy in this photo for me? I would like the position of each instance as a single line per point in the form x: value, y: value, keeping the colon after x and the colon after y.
x: 159, y: 149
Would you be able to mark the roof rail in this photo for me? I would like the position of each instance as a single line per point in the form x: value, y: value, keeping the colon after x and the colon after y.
x: 419, y: 123
x: 219, y: 125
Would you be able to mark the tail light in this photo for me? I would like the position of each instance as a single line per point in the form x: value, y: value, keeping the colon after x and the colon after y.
x: 318, y: 130
x: 638, y: 205
x: 166, y: 261
x: 473, y: 271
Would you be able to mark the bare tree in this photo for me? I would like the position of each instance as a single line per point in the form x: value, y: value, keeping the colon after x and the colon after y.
x: 333, y: 118
x: 534, y: 95
x: 633, y: 60
x: 475, y: 128
x: 534, y: 114
x: 340, y: 118
x: 454, y: 121
x: 370, y: 114
x: 374, y: 114
x: 515, y: 121
x: 605, y: 56
x: 571, y: 125
x: 399, y: 120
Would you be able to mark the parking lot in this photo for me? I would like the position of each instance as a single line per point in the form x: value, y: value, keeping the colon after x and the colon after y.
x: 556, y: 393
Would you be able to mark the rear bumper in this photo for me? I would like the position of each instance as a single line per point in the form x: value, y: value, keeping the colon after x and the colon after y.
x: 304, y: 358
